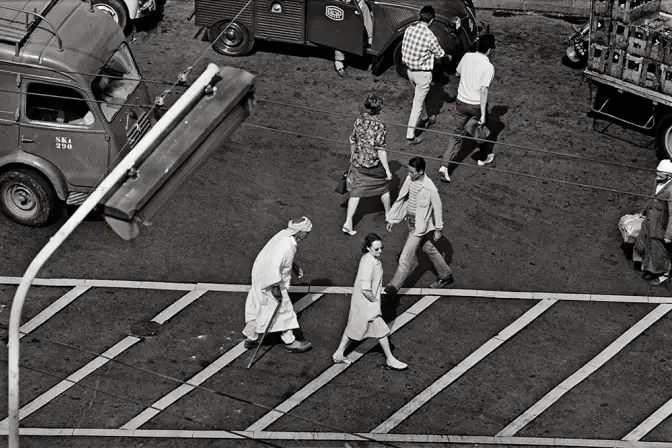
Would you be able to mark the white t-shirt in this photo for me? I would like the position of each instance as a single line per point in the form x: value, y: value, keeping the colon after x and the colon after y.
x: 475, y: 71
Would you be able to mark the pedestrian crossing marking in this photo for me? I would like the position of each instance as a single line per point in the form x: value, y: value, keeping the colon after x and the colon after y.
x: 467, y: 363
x: 336, y: 369
x: 198, y: 379
x: 591, y: 366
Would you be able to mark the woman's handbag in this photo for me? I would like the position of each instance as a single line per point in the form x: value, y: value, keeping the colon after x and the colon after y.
x: 345, y: 181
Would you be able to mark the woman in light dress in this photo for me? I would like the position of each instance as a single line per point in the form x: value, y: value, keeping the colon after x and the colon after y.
x: 365, y: 319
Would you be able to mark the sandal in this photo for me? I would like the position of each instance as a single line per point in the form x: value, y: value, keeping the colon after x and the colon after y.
x: 403, y: 366
x: 342, y: 360
x: 348, y: 231
x: 341, y: 72
x: 661, y: 280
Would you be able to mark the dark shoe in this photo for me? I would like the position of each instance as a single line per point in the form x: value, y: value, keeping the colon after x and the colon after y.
x: 430, y: 121
x: 391, y: 291
x: 414, y: 141
x: 249, y: 343
x: 648, y: 276
x: 298, y: 347
x: 443, y: 282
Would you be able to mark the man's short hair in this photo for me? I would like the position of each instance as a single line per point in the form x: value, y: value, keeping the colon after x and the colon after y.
x: 418, y: 163
x: 427, y: 13
x: 486, y: 42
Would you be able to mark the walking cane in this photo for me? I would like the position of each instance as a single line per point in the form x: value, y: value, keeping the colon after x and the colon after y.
x: 268, y: 327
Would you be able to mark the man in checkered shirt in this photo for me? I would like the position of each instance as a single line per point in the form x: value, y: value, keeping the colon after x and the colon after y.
x: 418, y: 50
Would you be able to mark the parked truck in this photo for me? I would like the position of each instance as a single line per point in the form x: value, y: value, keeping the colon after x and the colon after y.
x: 629, y: 63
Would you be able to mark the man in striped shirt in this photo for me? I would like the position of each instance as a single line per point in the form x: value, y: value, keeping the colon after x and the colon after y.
x: 419, y: 203
x: 419, y: 48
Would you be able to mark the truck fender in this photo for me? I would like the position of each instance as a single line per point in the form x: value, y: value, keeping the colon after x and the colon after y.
x: 132, y: 6
x: 47, y: 169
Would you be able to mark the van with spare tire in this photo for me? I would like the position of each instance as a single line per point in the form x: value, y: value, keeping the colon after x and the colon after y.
x: 72, y: 103
x: 233, y: 26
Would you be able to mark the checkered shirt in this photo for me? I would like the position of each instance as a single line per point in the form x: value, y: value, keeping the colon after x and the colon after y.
x: 419, y: 47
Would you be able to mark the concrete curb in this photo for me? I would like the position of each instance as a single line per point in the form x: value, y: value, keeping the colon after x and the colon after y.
x: 580, y: 8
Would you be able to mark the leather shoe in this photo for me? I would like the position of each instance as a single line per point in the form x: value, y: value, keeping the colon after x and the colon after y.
x: 298, y: 347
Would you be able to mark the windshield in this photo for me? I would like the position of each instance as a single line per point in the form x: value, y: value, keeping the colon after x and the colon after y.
x: 116, y: 81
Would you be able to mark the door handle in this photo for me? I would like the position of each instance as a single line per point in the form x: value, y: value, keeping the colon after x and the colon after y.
x: 26, y: 140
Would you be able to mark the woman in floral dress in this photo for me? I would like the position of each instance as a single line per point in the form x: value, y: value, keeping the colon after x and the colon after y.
x: 365, y: 319
x: 369, y: 171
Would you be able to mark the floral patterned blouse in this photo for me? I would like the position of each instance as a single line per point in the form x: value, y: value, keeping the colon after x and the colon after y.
x: 367, y: 138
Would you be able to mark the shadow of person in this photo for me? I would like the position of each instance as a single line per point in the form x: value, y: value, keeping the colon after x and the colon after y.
x: 468, y: 145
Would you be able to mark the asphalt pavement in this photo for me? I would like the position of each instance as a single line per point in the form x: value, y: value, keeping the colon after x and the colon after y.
x: 527, y: 224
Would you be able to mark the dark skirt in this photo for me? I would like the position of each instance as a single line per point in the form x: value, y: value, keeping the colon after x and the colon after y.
x: 367, y: 182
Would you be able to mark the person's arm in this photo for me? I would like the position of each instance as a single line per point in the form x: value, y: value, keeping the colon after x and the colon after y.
x: 381, y: 144
x: 435, y: 47
x: 366, y: 278
x: 668, y: 230
x: 487, y: 79
x: 437, y: 211
x: 484, y: 105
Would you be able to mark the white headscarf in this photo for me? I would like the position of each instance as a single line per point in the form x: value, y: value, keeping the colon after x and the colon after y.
x: 665, y: 166
x: 304, y: 225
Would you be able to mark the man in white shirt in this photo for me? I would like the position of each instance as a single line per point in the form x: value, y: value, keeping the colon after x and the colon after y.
x: 476, y: 73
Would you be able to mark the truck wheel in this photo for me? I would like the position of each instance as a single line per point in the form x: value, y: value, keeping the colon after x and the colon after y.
x: 401, y: 67
x: 26, y: 197
x: 664, y: 138
x: 115, y: 9
x: 235, y: 41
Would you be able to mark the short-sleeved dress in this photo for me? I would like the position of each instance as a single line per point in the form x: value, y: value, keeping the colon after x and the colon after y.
x: 365, y: 319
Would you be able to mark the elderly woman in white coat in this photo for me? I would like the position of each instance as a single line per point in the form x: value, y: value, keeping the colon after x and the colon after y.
x: 365, y: 319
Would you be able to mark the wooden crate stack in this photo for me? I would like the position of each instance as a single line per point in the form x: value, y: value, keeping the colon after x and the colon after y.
x: 632, y: 40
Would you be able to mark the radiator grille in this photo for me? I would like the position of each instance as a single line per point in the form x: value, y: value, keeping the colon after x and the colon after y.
x: 285, y: 26
x: 135, y: 133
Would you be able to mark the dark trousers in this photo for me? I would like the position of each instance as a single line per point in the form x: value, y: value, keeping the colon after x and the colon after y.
x: 463, y: 112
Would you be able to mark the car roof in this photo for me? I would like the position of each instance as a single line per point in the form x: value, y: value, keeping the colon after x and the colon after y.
x: 70, y: 20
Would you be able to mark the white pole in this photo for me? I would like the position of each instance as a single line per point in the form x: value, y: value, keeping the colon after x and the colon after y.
x: 187, y: 99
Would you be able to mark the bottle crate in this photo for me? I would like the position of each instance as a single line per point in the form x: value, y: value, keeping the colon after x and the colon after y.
x: 600, y: 30
x: 666, y: 79
x: 651, y: 74
x: 614, y: 66
x: 602, y: 8
x: 628, y: 11
x: 597, y: 57
x: 619, y: 35
x: 632, y: 69
x: 640, y: 40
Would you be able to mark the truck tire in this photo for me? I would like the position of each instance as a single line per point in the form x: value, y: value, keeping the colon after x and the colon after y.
x: 664, y: 138
x: 401, y: 67
x: 235, y: 41
x: 116, y: 10
x: 26, y: 197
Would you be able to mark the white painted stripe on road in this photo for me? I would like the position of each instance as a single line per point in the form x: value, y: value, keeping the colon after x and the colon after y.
x: 198, y: 379
x: 100, y: 361
x: 52, y: 309
x: 226, y: 287
x: 333, y: 437
x: 467, y: 363
x: 581, y: 374
x: 336, y: 369
x: 651, y: 422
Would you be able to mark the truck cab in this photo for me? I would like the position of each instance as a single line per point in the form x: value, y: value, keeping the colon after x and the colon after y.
x: 336, y: 24
x: 71, y: 103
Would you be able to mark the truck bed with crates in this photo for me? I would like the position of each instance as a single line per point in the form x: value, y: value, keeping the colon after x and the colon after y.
x: 630, y: 52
